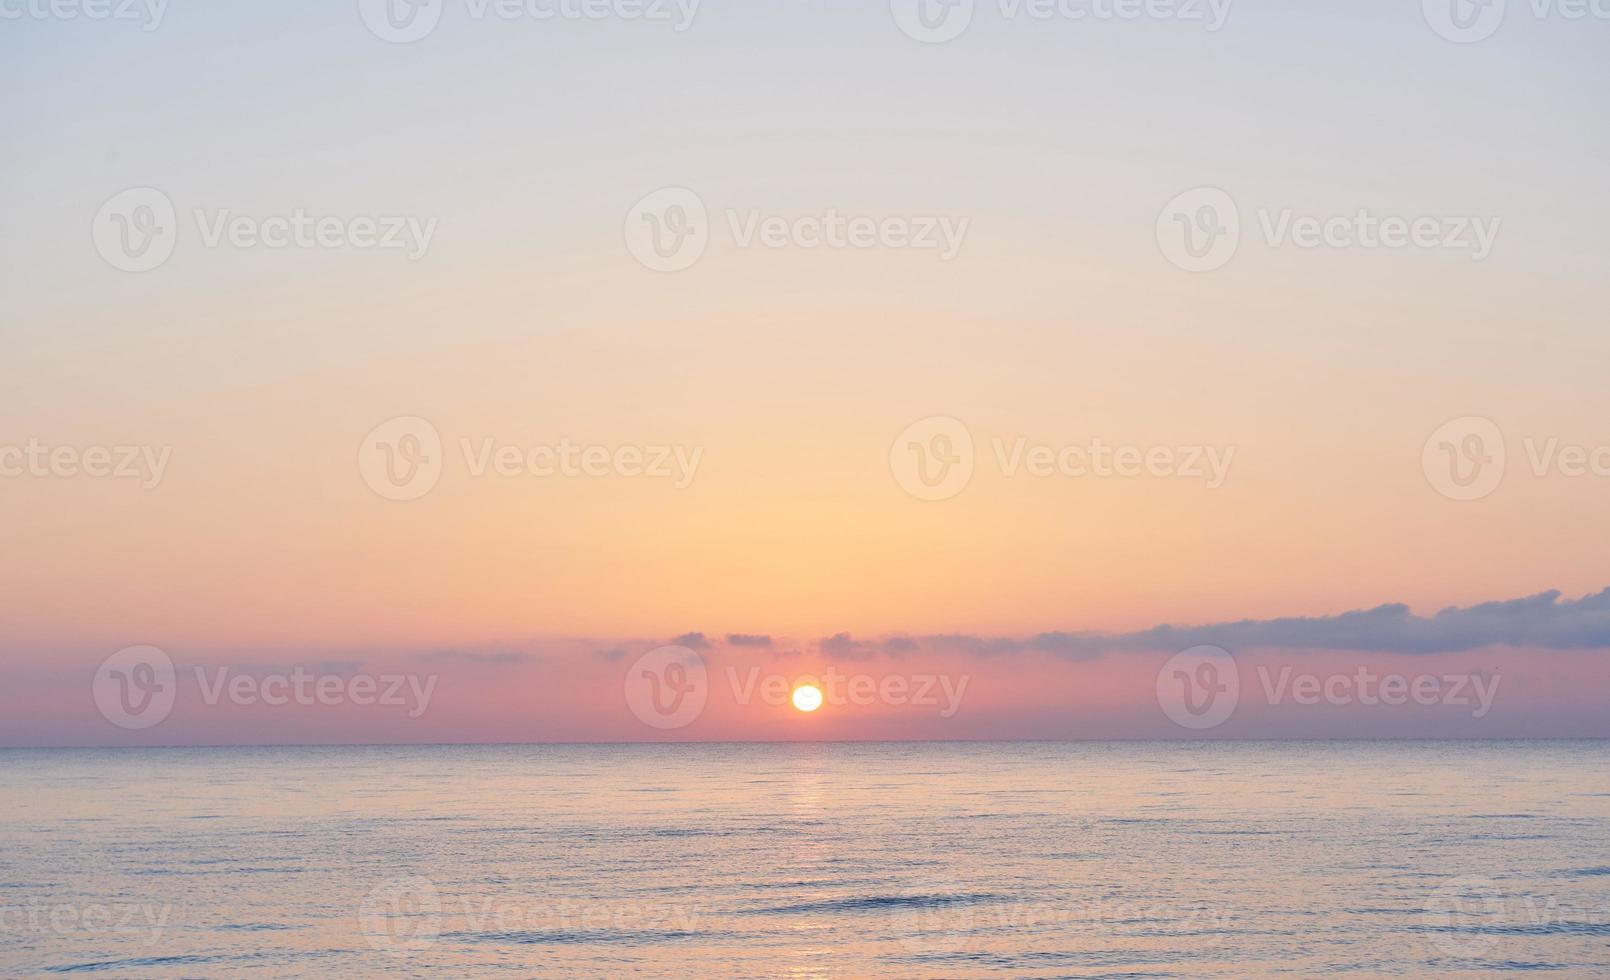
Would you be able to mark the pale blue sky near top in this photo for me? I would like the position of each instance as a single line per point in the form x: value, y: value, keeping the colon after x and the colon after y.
x: 528, y: 141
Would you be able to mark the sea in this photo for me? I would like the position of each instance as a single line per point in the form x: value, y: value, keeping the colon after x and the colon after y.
x: 936, y: 859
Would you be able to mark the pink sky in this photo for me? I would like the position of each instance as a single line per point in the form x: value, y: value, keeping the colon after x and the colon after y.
x: 1442, y: 680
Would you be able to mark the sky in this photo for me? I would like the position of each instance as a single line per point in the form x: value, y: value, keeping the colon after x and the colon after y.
x: 629, y: 328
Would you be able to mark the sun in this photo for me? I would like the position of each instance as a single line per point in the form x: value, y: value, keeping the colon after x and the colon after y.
x: 807, y: 697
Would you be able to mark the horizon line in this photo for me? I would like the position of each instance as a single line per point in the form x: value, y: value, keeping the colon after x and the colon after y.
x: 814, y: 741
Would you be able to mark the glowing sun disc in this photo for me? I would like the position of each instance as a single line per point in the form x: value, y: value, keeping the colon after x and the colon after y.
x: 807, y: 697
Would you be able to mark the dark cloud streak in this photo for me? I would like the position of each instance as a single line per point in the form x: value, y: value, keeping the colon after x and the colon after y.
x: 1541, y: 621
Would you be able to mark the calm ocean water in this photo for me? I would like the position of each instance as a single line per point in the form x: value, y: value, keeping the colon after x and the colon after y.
x: 808, y: 860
